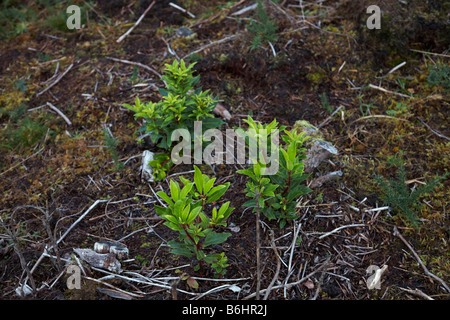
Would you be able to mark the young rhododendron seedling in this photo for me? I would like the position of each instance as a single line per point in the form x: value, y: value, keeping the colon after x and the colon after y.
x: 186, y: 212
x: 277, y: 193
x: 180, y: 106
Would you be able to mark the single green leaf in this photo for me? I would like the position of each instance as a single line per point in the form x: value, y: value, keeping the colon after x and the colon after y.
x: 215, y: 238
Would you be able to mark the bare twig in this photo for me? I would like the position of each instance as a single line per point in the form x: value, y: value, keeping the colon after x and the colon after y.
x: 275, y: 277
x: 47, y: 249
x: 388, y: 91
x: 212, y: 44
x: 432, y: 53
x: 258, y: 246
x: 136, y: 64
x: 433, y: 130
x: 181, y: 9
x: 340, y: 228
x: 425, y: 269
x: 417, y: 292
x: 377, y: 116
x: 136, y: 24
x: 60, y: 113
x: 289, y: 285
x: 329, y: 117
x: 56, y: 81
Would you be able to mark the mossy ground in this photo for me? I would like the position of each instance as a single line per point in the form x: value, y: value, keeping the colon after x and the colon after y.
x: 69, y: 167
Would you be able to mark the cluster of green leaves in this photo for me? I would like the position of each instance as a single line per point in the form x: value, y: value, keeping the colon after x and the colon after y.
x: 398, y: 110
x: 275, y: 194
x: 262, y: 29
x: 181, y: 105
x: 396, y: 194
x: 186, y: 213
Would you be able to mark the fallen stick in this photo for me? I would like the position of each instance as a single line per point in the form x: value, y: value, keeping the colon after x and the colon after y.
x: 432, y: 53
x: 137, y: 64
x: 56, y: 81
x: 425, y: 269
x: 433, y: 130
x: 329, y: 117
x: 388, y: 91
x: 289, y: 285
x: 340, y: 228
x: 47, y: 249
x: 136, y: 24
x: 212, y: 44
x: 60, y: 113
x: 181, y: 9
x: 275, y: 277
x: 417, y: 292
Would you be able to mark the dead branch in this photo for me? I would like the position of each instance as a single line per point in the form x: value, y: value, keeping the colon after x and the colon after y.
x: 56, y: 81
x: 388, y: 91
x: 60, y: 113
x: 289, y: 285
x: 340, y: 228
x: 425, y: 269
x: 433, y: 130
x: 213, y: 44
x: 417, y: 292
x: 275, y: 277
x: 137, y: 64
x: 136, y: 24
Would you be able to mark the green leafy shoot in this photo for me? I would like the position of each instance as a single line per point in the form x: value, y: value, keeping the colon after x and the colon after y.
x: 186, y: 213
x: 180, y: 106
x: 277, y: 193
x: 262, y: 29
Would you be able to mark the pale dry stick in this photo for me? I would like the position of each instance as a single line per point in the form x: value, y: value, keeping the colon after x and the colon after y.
x: 21, y: 162
x: 289, y: 285
x: 275, y: 277
x: 389, y: 91
x: 244, y: 10
x: 216, y: 289
x: 157, y: 198
x: 12, y: 233
x: 134, y: 295
x: 397, y: 67
x: 60, y: 113
x: 322, y: 276
x: 47, y: 249
x: 433, y: 130
x: 417, y: 292
x: 425, y: 269
x: 212, y: 44
x: 147, y: 281
x: 258, y: 247
x: 181, y: 9
x: 377, y: 116
x: 56, y: 81
x: 329, y: 117
x: 136, y: 24
x: 137, y: 64
x: 432, y: 53
x: 340, y: 228
x: 294, y: 241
